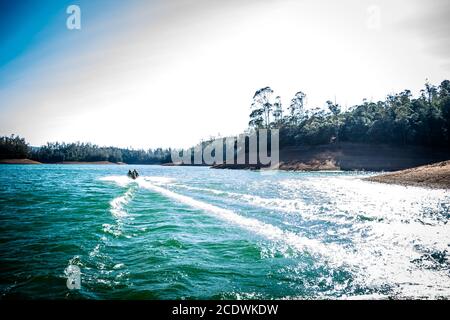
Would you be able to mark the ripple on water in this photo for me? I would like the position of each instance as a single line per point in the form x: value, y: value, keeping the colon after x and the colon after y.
x: 201, y: 233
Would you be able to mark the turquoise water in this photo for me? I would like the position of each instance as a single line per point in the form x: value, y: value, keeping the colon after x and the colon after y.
x: 191, y: 233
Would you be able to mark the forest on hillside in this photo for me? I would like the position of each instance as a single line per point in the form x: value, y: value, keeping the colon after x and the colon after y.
x: 399, y: 120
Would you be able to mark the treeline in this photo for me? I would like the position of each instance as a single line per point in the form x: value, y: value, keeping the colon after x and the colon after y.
x: 400, y: 119
x: 15, y: 147
x: 87, y: 152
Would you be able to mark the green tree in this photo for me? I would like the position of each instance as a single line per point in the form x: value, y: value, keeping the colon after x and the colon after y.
x: 277, y: 110
x: 261, y: 108
x: 296, y: 108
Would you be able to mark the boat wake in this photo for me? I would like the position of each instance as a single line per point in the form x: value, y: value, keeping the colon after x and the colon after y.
x: 118, y: 204
x: 406, y: 263
x: 269, y: 231
x: 122, y: 181
x: 290, y: 206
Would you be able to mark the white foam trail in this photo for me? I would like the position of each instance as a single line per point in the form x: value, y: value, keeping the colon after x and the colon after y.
x: 210, y: 190
x: 122, y: 181
x: 115, y: 230
x: 290, y: 206
x: 118, y: 204
x: 286, y: 205
x: 158, y: 180
x: 390, y: 248
x: 95, y: 251
x: 352, y: 196
x: 264, y: 229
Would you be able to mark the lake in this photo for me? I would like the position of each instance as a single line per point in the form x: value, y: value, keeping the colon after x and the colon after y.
x: 195, y: 232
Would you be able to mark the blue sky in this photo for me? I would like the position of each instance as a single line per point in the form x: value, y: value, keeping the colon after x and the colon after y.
x: 28, y: 25
x: 29, y: 29
x: 20, y: 25
x: 168, y: 73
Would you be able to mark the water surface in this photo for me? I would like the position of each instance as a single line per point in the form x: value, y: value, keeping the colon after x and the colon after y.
x: 194, y: 232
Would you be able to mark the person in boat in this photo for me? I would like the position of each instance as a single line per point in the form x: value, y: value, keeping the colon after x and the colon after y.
x: 133, y: 174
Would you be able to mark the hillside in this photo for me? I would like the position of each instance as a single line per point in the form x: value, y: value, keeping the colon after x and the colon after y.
x: 352, y: 156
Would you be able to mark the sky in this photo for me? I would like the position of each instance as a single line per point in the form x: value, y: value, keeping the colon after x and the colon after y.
x: 145, y: 74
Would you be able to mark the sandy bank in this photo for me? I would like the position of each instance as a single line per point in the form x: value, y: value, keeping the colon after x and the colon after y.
x: 435, y: 175
x: 87, y: 162
x: 18, y: 161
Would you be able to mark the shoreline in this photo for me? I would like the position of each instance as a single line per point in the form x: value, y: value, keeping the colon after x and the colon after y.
x: 88, y: 162
x: 29, y: 161
x: 19, y: 161
x: 434, y: 176
x: 348, y: 156
x: 327, y: 165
